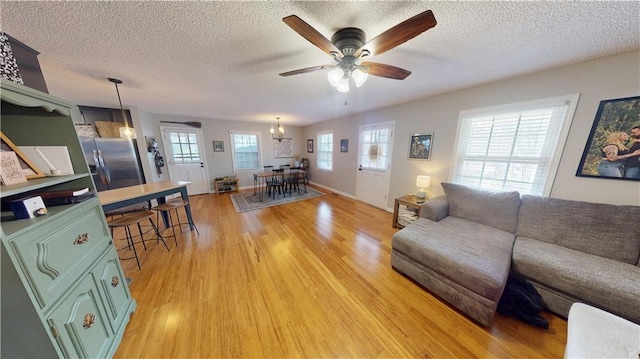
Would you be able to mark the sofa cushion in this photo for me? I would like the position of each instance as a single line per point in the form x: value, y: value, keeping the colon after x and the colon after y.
x: 604, y: 230
x: 494, y: 209
x: 606, y: 283
x: 476, y: 256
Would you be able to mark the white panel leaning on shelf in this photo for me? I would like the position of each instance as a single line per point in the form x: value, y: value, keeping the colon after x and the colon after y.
x: 64, y: 292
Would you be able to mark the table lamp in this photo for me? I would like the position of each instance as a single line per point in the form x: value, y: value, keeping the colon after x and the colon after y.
x: 422, y: 182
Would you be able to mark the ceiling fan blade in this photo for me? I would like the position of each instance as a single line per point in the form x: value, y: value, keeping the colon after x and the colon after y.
x: 388, y: 71
x: 308, y: 69
x: 305, y: 30
x: 399, y: 34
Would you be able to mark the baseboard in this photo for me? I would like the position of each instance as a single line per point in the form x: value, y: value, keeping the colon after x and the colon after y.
x: 333, y: 190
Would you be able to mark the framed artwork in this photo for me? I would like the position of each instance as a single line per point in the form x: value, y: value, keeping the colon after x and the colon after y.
x: 420, y: 146
x: 310, y: 146
x: 344, y: 145
x: 10, y: 170
x: 29, y: 169
x: 218, y: 146
x: 282, y: 149
x: 613, y: 147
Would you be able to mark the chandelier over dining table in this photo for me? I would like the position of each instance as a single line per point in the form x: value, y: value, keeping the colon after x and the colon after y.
x: 280, y: 131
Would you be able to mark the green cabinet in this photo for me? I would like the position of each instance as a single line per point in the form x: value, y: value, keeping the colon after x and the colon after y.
x: 63, y: 292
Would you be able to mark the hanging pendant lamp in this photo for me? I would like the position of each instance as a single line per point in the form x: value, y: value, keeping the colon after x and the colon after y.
x: 126, y: 131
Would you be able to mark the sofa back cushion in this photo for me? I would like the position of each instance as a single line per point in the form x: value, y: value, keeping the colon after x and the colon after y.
x: 603, y: 230
x: 494, y: 209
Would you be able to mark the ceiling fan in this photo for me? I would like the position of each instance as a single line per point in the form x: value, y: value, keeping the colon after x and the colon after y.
x: 348, y: 48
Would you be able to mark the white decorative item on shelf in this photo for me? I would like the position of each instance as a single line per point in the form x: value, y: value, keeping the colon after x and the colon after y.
x: 422, y: 182
x: 50, y: 157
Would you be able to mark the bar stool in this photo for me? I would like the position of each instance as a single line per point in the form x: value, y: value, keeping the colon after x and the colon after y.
x: 167, y: 207
x: 135, y: 218
x: 175, y: 204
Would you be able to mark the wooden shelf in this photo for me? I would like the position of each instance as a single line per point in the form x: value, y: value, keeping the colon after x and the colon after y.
x: 226, y: 185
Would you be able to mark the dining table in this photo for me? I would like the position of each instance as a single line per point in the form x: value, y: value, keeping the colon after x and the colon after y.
x: 260, y: 179
x: 126, y: 196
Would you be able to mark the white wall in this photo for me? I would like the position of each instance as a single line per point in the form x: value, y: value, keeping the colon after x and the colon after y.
x: 145, y: 127
x: 219, y: 164
x: 601, y: 79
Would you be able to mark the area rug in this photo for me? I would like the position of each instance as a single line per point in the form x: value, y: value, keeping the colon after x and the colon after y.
x: 244, y: 202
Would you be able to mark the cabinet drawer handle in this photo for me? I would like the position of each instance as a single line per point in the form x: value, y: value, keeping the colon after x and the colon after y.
x: 82, y: 238
x: 89, y: 320
x: 115, y: 281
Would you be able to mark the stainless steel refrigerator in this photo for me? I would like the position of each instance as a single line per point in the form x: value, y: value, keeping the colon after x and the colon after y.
x: 114, y: 162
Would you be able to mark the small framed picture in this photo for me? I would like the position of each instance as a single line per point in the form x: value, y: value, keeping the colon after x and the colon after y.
x: 310, y: 146
x: 420, y: 147
x: 29, y: 169
x: 344, y: 145
x: 218, y: 146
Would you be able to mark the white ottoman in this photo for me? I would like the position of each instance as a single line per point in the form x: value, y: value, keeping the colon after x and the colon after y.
x: 594, y: 333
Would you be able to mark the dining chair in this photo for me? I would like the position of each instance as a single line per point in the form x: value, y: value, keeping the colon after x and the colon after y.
x: 267, y: 179
x: 276, y: 183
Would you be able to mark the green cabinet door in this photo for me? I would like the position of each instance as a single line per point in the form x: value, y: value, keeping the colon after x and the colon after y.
x: 79, y: 324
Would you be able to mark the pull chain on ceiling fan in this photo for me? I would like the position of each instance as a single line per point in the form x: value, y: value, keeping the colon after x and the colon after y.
x: 347, y: 47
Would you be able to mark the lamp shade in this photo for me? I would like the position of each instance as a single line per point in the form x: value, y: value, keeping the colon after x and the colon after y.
x: 127, y: 132
x: 423, y: 181
x: 359, y: 77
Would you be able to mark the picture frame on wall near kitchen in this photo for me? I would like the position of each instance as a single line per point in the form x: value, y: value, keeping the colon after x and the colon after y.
x: 218, y: 146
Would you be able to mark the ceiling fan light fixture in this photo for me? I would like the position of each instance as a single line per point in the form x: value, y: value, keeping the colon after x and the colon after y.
x: 359, y: 77
x: 343, y: 85
x: 335, y: 76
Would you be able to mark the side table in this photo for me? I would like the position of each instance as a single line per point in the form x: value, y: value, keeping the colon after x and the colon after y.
x: 409, y: 201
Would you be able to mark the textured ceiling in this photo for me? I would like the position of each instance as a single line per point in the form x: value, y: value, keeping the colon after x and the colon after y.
x: 221, y: 60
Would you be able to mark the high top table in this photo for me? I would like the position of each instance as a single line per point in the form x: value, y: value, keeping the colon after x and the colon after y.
x: 122, y: 197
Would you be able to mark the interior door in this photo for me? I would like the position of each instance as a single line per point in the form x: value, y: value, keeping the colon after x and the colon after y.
x: 185, y: 158
x: 374, y: 161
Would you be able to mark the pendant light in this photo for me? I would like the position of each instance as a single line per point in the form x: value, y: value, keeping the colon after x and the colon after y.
x: 126, y: 131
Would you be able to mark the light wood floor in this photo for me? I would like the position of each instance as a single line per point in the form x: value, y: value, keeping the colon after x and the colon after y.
x: 306, y: 279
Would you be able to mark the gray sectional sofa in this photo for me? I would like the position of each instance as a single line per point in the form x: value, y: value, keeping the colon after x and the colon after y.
x: 466, y: 242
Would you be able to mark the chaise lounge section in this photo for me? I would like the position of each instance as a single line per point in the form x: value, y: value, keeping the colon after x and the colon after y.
x: 460, y: 248
x: 466, y: 242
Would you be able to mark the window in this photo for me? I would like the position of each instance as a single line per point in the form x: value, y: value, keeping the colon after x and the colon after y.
x: 184, y: 146
x: 375, y: 142
x: 245, y: 150
x: 513, y: 147
x: 325, y: 150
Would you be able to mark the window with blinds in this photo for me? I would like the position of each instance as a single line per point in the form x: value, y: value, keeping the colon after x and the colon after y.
x: 245, y: 150
x: 184, y: 146
x: 325, y: 150
x: 513, y: 147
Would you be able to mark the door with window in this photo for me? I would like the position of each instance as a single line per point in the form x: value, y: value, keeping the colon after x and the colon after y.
x: 185, y: 158
x: 374, y: 163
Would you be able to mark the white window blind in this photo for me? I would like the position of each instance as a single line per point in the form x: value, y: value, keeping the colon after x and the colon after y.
x: 325, y: 150
x: 513, y: 147
x: 245, y: 147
